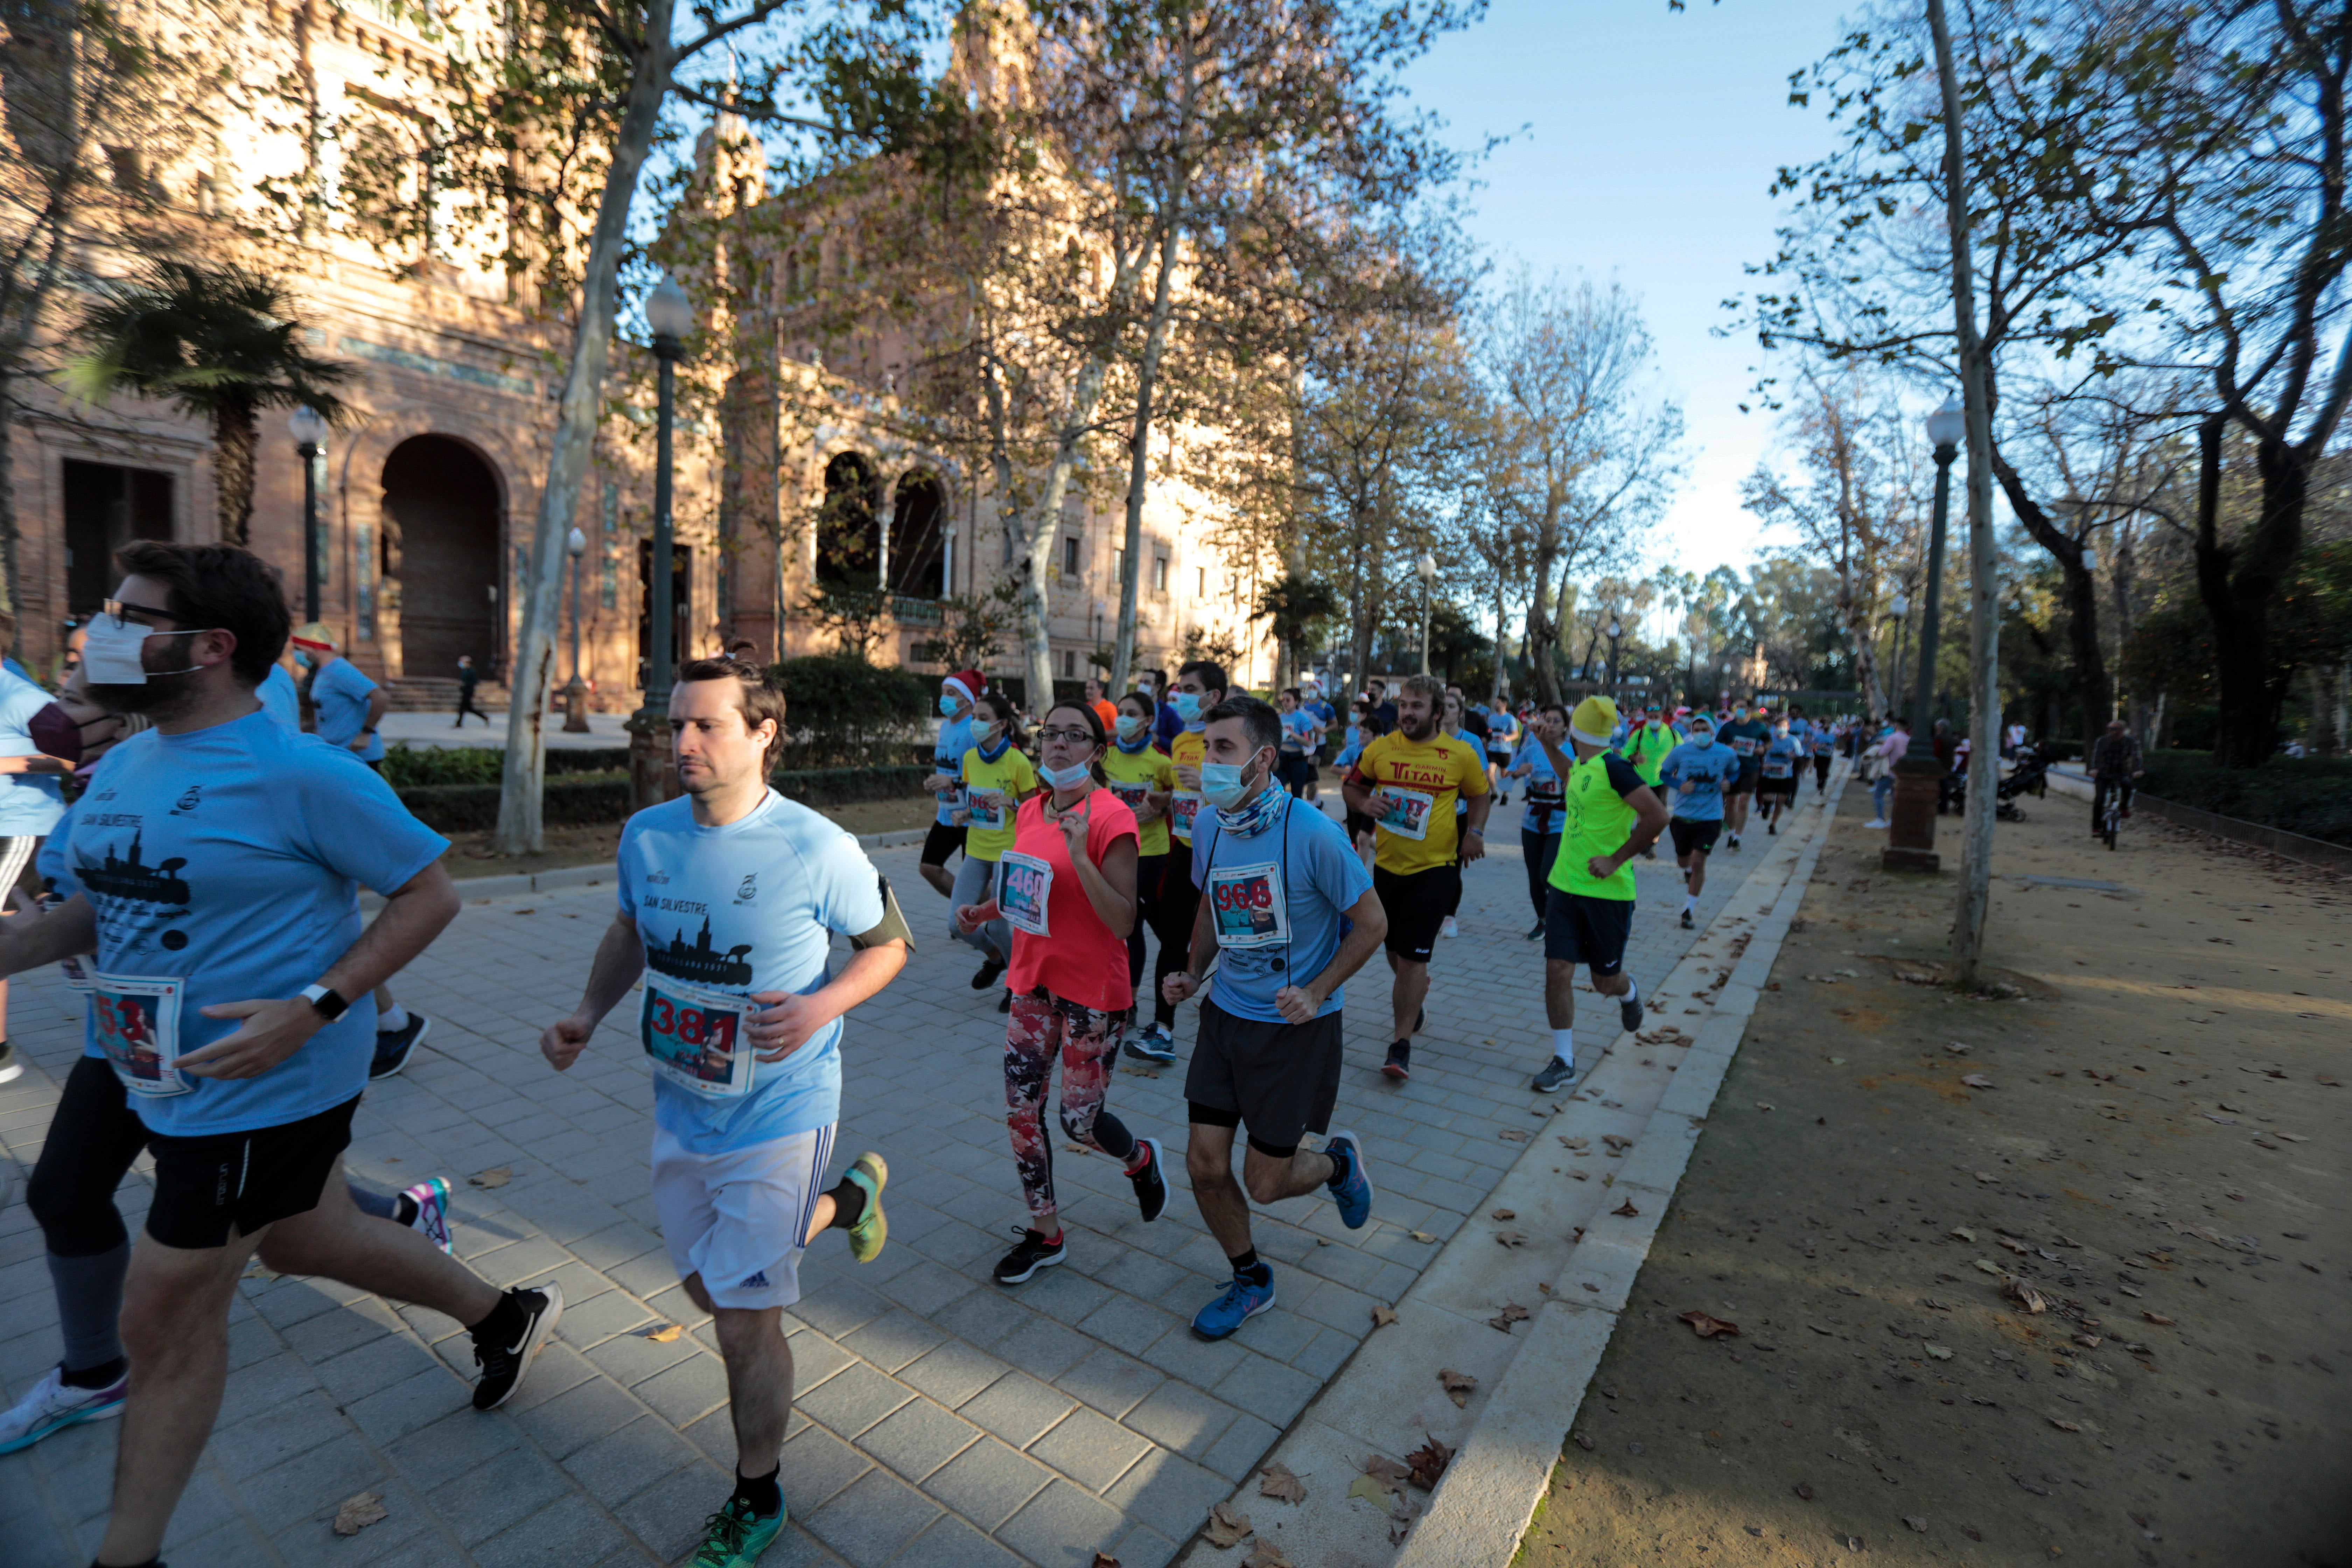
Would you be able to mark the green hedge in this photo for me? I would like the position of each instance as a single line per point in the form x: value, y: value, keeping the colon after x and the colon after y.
x: 405, y: 767
x: 2310, y: 795
x: 587, y: 799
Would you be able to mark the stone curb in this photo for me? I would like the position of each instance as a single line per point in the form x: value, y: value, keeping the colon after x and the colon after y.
x: 1573, y: 1267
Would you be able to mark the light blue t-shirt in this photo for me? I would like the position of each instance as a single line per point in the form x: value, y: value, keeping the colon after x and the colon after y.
x: 1543, y: 814
x: 19, y: 670
x: 231, y: 858
x: 1710, y: 767
x: 1296, y: 727
x: 1469, y: 738
x: 281, y: 700
x: 30, y: 804
x: 339, y: 693
x: 749, y: 907
x: 1783, y: 755
x: 947, y: 757
x: 1278, y: 903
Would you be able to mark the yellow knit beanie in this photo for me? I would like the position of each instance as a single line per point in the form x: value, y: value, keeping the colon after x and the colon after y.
x: 1595, y: 721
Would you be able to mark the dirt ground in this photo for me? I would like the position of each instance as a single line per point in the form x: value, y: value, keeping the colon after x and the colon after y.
x: 471, y: 855
x: 2155, y: 1152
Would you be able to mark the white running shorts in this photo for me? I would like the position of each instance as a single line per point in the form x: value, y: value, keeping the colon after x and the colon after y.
x: 739, y: 1218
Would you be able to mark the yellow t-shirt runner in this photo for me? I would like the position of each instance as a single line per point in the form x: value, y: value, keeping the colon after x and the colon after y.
x: 1413, y: 784
x: 1188, y: 750
x: 1133, y: 775
x: 993, y: 793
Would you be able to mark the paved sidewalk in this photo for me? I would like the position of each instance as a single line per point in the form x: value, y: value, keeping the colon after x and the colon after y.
x: 940, y: 1419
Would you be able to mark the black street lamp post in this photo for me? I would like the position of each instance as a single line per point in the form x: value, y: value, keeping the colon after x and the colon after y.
x: 1911, y: 821
x: 310, y: 432
x: 653, y: 775
x: 576, y: 690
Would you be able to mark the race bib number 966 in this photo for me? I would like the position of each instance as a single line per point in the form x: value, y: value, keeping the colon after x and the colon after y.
x: 1246, y: 907
x: 694, y: 1037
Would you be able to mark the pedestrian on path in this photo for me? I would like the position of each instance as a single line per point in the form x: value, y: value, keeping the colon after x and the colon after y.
x: 1696, y: 773
x: 227, y: 927
x: 995, y: 776
x: 1611, y: 816
x: 1540, y: 825
x: 1406, y: 782
x: 729, y: 897
x: 958, y: 693
x: 1288, y: 913
x: 1892, y: 748
x: 468, y: 678
x: 1067, y: 889
x: 1144, y: 780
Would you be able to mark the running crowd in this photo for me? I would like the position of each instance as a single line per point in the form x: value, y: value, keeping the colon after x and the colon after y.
x: 200, y: 890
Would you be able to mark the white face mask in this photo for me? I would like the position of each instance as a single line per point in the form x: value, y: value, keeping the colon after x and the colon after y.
x: 110, y: 650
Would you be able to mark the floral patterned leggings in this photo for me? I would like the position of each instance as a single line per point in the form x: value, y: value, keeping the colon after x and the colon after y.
x: 1043, y: 1025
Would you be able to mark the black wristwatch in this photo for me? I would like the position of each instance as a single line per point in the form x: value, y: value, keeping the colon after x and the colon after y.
x: 330, y: 1006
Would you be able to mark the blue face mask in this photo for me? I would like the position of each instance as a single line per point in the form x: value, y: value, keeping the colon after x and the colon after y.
x: 1187, y: 705
x: 1130, y: 726
x: 302, y: 658
x: 1070, y: 778
x: 947, y: 706
x: 1222, y: 785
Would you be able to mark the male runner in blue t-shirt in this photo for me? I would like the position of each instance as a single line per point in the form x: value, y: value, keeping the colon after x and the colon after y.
x: 1695, y: 774
x: 729, y: 899
x: 1286, y: 914
x: 219, y: 860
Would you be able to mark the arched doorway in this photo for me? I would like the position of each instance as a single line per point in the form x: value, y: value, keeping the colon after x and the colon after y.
x: 849, y: 524
x: 441, y: 545
x: 917, y: 541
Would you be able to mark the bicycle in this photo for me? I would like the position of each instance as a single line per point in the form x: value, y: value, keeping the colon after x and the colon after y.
x: 2111, y: 820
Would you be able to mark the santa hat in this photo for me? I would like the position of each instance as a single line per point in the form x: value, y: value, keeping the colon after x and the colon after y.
x: 968, y: 683
x: 313, y: 637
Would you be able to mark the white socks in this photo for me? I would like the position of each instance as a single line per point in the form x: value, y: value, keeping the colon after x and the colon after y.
x: 1563, y: 1044
x: 391, y: 1019
x: 1690, y: 903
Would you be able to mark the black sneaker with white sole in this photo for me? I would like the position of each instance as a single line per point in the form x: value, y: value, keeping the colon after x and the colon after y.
x: 394, y: 1047
x: 1030, y: 1254
x: 503, y: 1365
x: 1400, y: 1063
x: 1556, y: 1076
x: 1629, y: 1011
x: 1688, y: 923
x: 1150, y: 1183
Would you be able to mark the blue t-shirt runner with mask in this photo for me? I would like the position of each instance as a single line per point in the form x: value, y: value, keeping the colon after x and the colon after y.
x: 225, y: 865
x: 1277, y: 901
x: 726, y: 911
x: 947, y: 757
x: 339, y: 693
x: 1708, y: 768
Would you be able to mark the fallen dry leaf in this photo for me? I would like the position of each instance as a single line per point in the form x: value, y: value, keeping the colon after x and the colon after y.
x: 1937, y: 1352
x: 1458, y: 1385
x: 1763, y: 1105
x: 662, y: 1333
x: 2019, y: 1248
x: 1277, y: 1481
x: 1575, y: 1142
x: 1584, y: 1442
x: 1382, y: 1316
x: 1504, y: 1213
x: 1804, y: 1491
x: 1266, y: 1555
x: 1962, y: 1231
x: 1140, y: 1072
x: 2024, y: 1295
x: 1422, y: 1236
x: 1076, y: 1148
x: 1626, y: 1210
x: 2158, y: 1318
x: 1511, y: 1313
x: 1225, y: 1527
x: 1616, y: 1141
x: 1915, y: 1522
x: 358, y: 1513
x: 1386, y: 1471
x: 1511, y: 1237
x: 1514, y: 1134
x: 1708, y: 1327
x: 1429, y: 1462
x: 1372, y: 1489
x: 1976, y: 1080
x: 2063, y: 1426
x: 497, y: 1177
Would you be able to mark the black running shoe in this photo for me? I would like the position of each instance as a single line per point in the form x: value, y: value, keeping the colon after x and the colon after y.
x: 393, y: 1046
x: 1400, y: 1063
x: 9, y: 1066
x: 1535, y: 931
x: 503, y: 1365
x: 1004, y: 1003
x: 1628, y: 1012
x: 986, y: 976
x: 1688, y: 923
x: 1030, y: 1254
x: 1769, y: 828
x: 1150, y: 1185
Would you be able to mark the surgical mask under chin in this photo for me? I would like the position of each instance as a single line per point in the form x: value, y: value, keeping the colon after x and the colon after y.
x: 1070, y: 778
x: 1222, y: 785
x: 1131, y: 725
x: 947, y: 706
x: 110, y: 653
x: 1187, y: 705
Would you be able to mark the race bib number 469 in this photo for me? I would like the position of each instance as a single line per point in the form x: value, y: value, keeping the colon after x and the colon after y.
x: 694, y: 1036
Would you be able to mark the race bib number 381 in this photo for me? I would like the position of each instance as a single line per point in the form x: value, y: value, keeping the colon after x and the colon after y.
x: 138, y: 1027
x: 694, y: 1036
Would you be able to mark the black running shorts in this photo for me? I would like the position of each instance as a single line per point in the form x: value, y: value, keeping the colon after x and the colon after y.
x: 1693, y: 836
x: 1749, y: 771
x: 1416, y: 903
x: 943, y: 840
x: 1591, y: 932
x: 1280, y: 1081
x: 208, y: 1185
x: 1785, y: 788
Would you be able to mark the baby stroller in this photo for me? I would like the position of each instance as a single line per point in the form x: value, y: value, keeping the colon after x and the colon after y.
x: 2031, y: 776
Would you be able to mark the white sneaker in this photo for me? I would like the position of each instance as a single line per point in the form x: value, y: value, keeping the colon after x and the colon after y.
x: 52, y: 1405
x: 1876, y: 822
x: 1449, y: 927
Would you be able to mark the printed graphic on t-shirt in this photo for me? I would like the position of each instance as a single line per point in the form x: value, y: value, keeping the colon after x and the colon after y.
x: 138, y: 1027
x: 694, y: 1036
x: 133, y: 898
x: 1023, y: 887
x: 1745, y: 746
x: 1404, y: 812
x: 701, y: 964
x: 1245, y: 908
x: 987, y: 808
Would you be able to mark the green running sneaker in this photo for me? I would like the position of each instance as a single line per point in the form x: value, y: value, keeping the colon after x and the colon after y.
x: 735, y: 1536
x: 872, y: 1172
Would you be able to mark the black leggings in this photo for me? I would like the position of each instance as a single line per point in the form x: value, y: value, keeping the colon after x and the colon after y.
x: 1538, y: 850
x: 1171, y: 913
x: 94, y: 1135
x: 1147, y: 868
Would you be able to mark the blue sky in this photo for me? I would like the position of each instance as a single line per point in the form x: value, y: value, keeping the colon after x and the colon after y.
x: 1652, y: 138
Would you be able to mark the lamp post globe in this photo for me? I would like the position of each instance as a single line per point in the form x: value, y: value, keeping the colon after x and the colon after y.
x: 576, y: 690
x: 1947, y: 426
x: 308, y: 428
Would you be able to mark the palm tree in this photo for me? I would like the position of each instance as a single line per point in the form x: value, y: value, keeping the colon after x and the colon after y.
x: 1296, y: 606
x: 220, y: 342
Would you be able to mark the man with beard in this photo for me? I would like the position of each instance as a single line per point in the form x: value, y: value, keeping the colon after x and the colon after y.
x: 219, y: 860
x: 1406, y: 782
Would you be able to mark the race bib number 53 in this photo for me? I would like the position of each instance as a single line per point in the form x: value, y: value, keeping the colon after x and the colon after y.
x: 694, y: 1036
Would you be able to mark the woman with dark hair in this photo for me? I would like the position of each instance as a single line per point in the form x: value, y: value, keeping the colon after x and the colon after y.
x: 1143, y: 778
x: 1066, y: 887
x: 995, y: 778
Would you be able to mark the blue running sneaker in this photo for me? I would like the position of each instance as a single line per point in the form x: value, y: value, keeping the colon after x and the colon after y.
x: 735, y: 1536
x: 1243, y: 1300
x: 1351, y: 1185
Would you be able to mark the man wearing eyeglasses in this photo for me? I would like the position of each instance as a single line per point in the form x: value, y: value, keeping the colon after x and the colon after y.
x: 219, y: 860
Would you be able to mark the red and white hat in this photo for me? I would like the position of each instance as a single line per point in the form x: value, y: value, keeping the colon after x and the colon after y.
x: 967, y: 683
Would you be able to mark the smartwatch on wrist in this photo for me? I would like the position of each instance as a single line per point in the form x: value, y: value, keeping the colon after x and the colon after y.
x: 330, y: 1006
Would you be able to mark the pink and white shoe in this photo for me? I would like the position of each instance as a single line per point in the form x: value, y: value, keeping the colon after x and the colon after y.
x: 430, y: 1199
